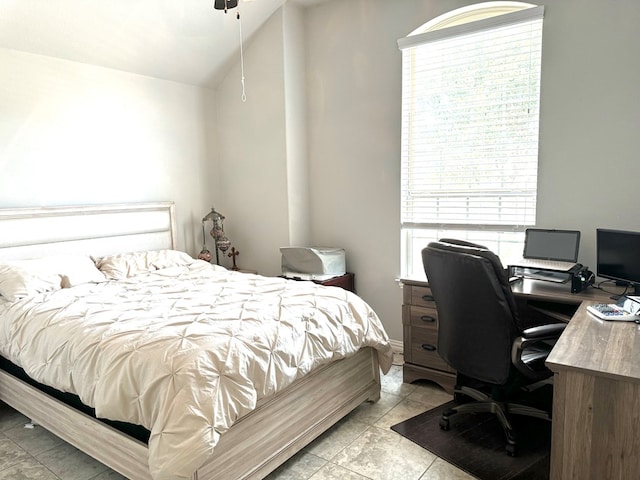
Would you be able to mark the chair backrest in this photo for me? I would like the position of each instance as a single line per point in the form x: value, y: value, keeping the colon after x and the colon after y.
x: 477, y: 315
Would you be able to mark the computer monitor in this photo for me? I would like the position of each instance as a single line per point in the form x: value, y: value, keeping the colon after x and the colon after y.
x: 618, y: 257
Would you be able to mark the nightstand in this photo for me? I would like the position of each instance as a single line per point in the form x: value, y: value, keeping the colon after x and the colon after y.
x: 346, y: 281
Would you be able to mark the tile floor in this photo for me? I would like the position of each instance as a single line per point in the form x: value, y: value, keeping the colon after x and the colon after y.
x: 360, y: 447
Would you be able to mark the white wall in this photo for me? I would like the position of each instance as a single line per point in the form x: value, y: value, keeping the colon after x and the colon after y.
x: 251, y: 138
x: 590, y: 109
x: 296, y: 125
x: 72, y: 133
x: 263, y: 147
x: 58, y: 117
x: 354, y: 140
x: 590, y: 117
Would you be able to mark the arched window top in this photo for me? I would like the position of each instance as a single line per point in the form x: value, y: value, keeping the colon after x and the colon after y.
x: 471, y: 13
x: 470, y: 119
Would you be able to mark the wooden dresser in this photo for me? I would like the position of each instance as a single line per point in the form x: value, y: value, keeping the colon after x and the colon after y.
x: 420, y: 337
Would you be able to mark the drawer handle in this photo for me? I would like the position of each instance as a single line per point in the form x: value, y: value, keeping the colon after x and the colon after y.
x: 427, y: 318
x: 428, y: 298
x: 428, y: 348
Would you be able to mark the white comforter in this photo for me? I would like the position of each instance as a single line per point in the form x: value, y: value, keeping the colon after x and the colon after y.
x: 184, y: 351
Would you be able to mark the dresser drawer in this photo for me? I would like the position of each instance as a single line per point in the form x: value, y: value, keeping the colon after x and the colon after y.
x: 424, y: 349
x: 420, y: 335
x: 423, y: 317
x: 420, y: 297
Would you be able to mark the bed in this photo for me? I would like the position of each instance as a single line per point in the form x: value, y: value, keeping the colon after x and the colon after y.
x: 91, y: 338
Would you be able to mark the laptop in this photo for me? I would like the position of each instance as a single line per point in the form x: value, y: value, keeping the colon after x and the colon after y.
x: 550, y: 249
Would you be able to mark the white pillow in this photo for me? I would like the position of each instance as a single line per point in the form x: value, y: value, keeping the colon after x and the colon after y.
x: 126, y: 265
x: 17, y: 282
x: 73, y: 269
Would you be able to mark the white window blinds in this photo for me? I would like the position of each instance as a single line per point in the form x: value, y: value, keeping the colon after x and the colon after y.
x: 470, y: 97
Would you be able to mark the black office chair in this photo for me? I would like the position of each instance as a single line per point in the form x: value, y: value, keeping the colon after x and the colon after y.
x: 481, y: 335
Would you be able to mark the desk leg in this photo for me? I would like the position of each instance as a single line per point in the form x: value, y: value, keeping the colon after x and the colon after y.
x: 557, y: 426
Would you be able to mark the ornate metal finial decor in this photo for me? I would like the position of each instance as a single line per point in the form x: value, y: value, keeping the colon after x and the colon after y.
x: 220, y: 240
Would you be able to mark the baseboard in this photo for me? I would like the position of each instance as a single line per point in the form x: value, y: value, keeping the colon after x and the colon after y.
x: 397, y: 346
x: 398, y: 352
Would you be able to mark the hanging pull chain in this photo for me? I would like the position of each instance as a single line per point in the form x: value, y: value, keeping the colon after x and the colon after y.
x: 244, y: 95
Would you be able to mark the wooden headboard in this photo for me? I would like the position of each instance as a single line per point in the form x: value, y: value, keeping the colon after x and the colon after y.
x: 86, y: 229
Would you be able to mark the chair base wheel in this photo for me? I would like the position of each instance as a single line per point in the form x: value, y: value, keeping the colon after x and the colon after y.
x: 511, y: 450
x: 444, y: 424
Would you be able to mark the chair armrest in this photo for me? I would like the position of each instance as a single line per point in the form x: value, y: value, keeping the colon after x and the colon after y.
x: 530, y: 336
x: 536, y: 333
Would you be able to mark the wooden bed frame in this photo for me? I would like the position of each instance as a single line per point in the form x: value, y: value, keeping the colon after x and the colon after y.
x: 256, y: 444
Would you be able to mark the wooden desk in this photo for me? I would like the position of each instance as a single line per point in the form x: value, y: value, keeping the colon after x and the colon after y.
x: 420, y: 323
x: 552, y: 299
x: 596, y: 397
x: 558, y: 293
x: 596, y: 400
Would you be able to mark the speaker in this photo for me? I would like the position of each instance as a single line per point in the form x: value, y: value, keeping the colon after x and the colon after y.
x: 581, y: 279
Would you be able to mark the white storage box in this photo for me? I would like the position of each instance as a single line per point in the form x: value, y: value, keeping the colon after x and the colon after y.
x: 313, y: 263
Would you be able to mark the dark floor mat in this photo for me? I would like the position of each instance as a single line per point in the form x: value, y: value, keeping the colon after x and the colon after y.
x: 476, y: 444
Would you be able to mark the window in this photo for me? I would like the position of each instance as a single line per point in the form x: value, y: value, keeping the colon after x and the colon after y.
x: 470, y: 111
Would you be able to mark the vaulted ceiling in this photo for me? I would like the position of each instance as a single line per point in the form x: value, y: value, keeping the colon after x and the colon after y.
x: 187, y: 41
